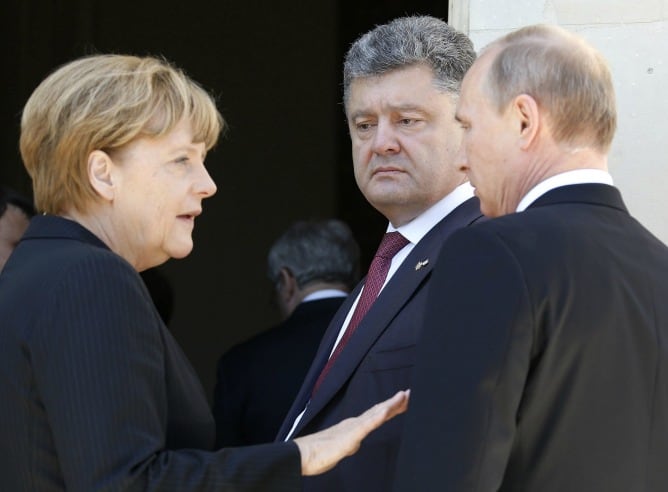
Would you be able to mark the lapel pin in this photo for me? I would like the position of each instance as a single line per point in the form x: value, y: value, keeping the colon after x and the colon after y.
x: 422, y: 263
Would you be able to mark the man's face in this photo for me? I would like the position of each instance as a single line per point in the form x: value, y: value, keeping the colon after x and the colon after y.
x: 487, y: 154
x: 13, y: 224
x: 404, y: 141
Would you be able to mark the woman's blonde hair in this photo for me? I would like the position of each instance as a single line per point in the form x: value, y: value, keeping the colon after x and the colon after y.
x: 103, y: 102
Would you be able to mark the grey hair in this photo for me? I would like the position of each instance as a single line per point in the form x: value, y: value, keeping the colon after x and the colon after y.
x: 323, y: 251
x: 410, y: 41
x: 566, y: 76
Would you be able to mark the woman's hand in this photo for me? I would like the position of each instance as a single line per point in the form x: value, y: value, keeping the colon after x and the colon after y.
x: 322, y: 450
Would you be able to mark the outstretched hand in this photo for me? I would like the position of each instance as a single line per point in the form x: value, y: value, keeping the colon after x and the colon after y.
x: 322, y: 450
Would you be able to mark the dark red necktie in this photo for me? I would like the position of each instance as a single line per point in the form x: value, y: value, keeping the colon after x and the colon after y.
x: 392, y: 242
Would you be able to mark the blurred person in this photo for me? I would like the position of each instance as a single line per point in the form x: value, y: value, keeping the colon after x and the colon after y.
x: 95, y: 393
x: 15, y: 214
x: 401, y: 83
x: 543, y: 365
x: 313, y: 266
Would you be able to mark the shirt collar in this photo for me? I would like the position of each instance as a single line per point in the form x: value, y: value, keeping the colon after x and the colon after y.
x: 417, y: 228
x: 578, y: 176
x: 324, y: 294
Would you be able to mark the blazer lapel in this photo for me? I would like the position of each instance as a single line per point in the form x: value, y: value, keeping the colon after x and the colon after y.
x: 398, y: 291
x: 391, y: 300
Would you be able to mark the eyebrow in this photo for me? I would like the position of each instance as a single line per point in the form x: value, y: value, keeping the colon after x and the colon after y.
x: 400, y: 107
x: 191, y: 147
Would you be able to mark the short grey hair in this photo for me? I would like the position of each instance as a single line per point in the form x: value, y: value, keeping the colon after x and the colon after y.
x: 312, y: 251
x: 410, y: 41
x: 566, y: 76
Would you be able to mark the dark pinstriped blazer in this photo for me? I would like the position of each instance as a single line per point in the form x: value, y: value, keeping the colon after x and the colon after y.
x: 95, y: 394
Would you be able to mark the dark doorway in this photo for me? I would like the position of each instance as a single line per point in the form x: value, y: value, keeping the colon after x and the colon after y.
x: 275, y: 70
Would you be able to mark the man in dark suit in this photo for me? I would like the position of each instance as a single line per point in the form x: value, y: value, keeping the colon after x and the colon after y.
x: 400, y: 87
x: 313, y: 266
x: 543, y: 365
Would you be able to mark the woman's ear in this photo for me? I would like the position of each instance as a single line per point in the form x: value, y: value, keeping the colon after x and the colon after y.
x: 100, y: 175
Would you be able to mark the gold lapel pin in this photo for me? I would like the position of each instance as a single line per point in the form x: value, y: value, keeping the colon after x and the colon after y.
x: 422, y: 263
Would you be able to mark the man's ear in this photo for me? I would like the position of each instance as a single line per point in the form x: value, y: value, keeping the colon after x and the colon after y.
x: 288, y: 284
x: 100, y: 174
x: 528, y: 117
x: 288, y: 292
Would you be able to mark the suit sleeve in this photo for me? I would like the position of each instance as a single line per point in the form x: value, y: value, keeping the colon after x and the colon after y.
x: 472, y: 363
x: 98, y: 359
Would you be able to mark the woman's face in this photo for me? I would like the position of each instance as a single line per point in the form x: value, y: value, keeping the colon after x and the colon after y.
x: 159, y: 187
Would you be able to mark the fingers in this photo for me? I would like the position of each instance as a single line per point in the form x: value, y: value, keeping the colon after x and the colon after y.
x: 398, y: 403
x: 323, y: 450
x: 384, y: 411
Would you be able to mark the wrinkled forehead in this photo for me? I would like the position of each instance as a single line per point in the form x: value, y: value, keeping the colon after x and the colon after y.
x: 401, y: 84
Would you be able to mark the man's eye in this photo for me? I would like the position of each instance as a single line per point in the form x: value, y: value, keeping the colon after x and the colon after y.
x: 409, y: 121
x: 363, y: 126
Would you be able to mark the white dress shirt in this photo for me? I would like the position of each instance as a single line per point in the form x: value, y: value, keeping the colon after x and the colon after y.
x: 324, y: 294
x: 578, y: 176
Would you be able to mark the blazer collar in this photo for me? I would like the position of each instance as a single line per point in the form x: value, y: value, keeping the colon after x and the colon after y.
x: 591, y: 193
x: 55, y: 227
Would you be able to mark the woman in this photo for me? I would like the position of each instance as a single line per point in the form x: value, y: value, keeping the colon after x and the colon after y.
x: 95, y: 394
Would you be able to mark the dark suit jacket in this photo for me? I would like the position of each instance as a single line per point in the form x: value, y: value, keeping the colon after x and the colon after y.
x: 259, y: 379
x: 376, y: 362
x: 543, y: 365
x: 95, y: 394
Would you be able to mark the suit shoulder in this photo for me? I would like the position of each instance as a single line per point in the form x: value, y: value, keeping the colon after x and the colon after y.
x: 285, y: 335
x: 505, y: 239
x: 523, y: 227
x: 63, y: 254
x: 54, y: 264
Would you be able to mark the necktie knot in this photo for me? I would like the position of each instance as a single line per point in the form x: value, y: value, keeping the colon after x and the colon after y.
x: 391, y: 244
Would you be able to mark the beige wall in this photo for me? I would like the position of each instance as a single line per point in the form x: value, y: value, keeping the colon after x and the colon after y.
x: 633, y: 36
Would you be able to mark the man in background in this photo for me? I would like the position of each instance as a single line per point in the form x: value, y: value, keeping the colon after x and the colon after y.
x: 313, y: 267
x: 543, y: 365
x: 401, y: 83
x: 15, y: 214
